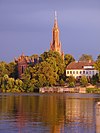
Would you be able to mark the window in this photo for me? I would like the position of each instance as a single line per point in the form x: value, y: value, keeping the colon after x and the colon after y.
x: 70, y: 72
x: 67, y: 72
x: 93, y: 72
x: 73, y: 72
x: 90, y: 72
x: 83, y: 72
x: 86, y: 72
x: 76, y: 72
x: 22, y: 69
x: 80, y: 72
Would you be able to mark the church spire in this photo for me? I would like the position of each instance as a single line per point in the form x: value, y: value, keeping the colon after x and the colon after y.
x: 55, y: 20
x: 55, y: 45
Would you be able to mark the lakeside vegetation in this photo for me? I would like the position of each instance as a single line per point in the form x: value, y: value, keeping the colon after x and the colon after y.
x: 49, y: 71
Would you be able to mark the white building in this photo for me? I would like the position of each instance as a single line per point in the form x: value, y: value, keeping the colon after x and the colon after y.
x: 80, y: 68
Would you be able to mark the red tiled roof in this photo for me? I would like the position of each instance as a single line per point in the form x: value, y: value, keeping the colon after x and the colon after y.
x: 80, y: 64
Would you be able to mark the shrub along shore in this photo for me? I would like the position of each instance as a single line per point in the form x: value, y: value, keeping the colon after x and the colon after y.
x: 50, y: 71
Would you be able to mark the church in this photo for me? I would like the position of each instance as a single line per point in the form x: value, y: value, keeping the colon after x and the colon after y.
x: 55, y: 45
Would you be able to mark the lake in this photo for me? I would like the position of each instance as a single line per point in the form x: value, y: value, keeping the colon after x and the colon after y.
x: 49, y: 113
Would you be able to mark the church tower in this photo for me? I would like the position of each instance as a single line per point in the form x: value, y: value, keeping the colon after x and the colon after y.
x: 55, y: 45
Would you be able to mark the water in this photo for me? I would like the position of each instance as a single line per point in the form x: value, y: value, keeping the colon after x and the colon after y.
x: 49, y: 113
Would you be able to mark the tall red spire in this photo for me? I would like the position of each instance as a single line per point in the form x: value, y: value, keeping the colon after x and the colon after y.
x: 55, y: 20
x: 55, y: 45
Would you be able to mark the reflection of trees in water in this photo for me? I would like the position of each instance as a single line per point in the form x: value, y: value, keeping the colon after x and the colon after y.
x: 52, y: 111
x: 47, y: 110
x: 98, y: 117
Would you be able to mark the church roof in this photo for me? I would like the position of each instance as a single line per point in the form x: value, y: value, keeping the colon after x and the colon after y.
x: 24, y: 58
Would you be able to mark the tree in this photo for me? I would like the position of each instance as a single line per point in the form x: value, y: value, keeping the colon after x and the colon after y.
x: 98, y: 57
x: 84, y: 81
x: 13, y: 71
x: 86, y: 57
x: 55, y: 61
x: 45, y: 74
x: 26, y: 78
x: 97, y: 65
x: 95, y: 79
x: 19, y: 85
x: 9, y: 69
x: 3, y: 69
x: 71, y: 80
x: 68, y: 59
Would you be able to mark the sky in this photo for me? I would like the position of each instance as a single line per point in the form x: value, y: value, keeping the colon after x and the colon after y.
x: 26, y: 27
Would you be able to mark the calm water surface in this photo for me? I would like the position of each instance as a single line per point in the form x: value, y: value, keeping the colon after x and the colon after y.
x: 49, y: 113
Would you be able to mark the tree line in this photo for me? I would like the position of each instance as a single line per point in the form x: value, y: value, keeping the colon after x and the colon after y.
x: 49, y: 71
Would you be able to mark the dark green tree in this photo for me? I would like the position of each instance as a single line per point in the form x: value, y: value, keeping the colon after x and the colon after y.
x: 55, y: 61
x: 44, y: 74
x: 86, y: 57
x: 97, y: 66
x: 68, y: 59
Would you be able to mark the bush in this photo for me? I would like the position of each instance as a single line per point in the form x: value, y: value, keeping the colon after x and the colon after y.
x: 71, y: 84
x: 93, y: 90
x: 84, y: 81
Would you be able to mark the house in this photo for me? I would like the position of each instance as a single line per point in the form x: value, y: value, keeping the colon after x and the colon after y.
x: 80, y: 68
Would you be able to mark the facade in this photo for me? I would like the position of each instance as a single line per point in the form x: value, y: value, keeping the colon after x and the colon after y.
x: 55, y: 44
x: 22, y: 63
x: 80, y: 68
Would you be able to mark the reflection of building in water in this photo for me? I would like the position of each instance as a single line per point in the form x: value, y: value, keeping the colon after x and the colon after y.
x: 80, y: 114
x: 97, y: 118
x: 57, y: 128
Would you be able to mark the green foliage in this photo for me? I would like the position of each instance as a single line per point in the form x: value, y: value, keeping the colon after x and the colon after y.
x: 93, y: 90
x: 9, y: 69
x: 13, y: 70
x: 61, y: 82
x: 71, y: 84
x: 68, y: 59
x: 84, y: 81
x: 98, y: 58
x: 3, y: 69
x: 71, y: 81
x: 8, y: 84
x: 55, y: 61
x: 95, y: 79
x: 86, y: 57
x: 45, y: 74
x: 97, y: 66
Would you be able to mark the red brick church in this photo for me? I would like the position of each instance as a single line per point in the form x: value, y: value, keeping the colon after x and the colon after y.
x: 23, y: 61
x: 55, y: 45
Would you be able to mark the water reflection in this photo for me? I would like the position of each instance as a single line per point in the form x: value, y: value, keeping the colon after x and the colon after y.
x: 49, y: 113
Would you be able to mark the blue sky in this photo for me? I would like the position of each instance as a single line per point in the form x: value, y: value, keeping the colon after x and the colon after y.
x: 26, y: 27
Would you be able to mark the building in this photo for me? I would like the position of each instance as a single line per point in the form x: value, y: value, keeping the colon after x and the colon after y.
x: 80, y: 68
x: 22, y: 63
x: 55, y: 44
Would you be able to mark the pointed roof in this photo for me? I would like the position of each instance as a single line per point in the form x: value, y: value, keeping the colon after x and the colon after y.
x: 55, y: 20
